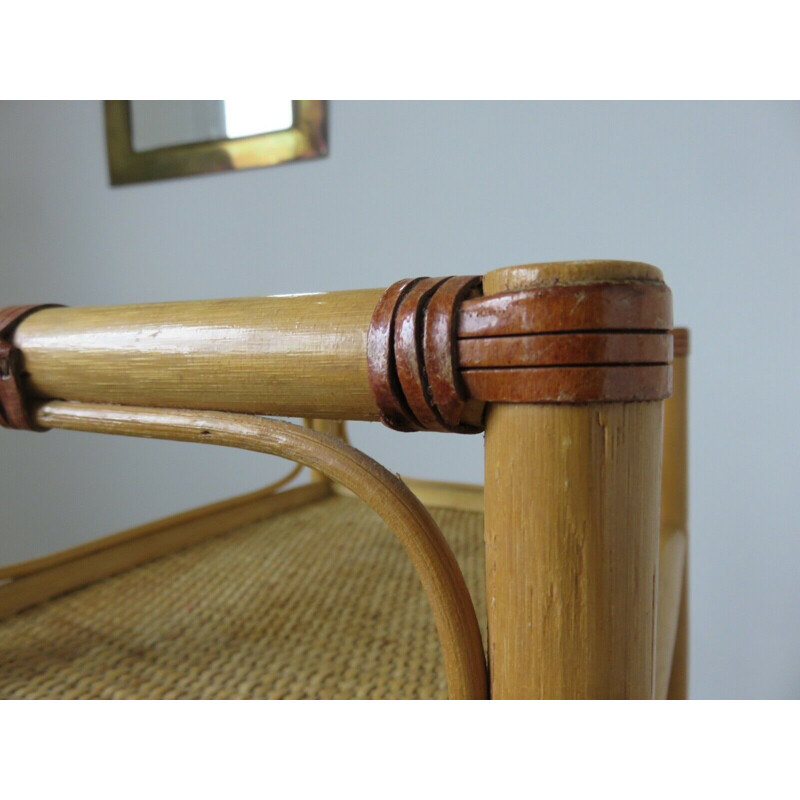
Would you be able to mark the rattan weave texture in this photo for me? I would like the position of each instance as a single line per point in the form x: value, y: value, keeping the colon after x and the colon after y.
x: 320, y: 602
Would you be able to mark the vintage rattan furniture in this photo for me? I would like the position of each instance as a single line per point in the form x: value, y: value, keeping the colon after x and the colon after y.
x: 570, y: 563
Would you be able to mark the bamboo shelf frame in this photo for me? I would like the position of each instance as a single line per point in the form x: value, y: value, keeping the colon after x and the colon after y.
x: 586, y: 534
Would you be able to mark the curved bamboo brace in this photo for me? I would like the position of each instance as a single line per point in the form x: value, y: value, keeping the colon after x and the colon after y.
x: 387, y: 495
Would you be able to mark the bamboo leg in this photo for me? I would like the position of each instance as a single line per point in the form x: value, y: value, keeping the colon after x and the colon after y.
x: 571, y: 526
x: 679, y: 676
x: 671, y: 569
x: 674, y: 517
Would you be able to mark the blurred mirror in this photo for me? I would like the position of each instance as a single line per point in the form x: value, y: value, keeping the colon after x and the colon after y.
x: 165, y: 123
x: 157, y: 139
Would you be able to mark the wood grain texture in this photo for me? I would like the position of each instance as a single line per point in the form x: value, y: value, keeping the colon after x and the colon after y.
x: 571, y: 526
x: 302, y: 355
x: 385, y: 493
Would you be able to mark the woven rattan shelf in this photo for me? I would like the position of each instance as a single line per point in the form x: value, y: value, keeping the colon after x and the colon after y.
x: 317, y: 602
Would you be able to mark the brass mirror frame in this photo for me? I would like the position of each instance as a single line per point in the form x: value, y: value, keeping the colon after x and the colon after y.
x: 307, y: 138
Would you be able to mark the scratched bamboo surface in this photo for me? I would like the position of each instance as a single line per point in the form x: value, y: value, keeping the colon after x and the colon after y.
x: 300, y: 355
x: 571, y: 528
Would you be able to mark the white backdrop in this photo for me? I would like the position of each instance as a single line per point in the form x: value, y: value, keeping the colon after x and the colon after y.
x: 709, y: 192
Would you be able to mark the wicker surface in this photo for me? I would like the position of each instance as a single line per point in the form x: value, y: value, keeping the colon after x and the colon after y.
x: 320, y: 602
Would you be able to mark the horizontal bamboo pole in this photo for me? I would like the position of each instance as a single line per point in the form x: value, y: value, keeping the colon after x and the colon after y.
x: 298, y: 355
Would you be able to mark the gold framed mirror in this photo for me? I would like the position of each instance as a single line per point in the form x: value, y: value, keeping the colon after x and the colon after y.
x: 151, y: 140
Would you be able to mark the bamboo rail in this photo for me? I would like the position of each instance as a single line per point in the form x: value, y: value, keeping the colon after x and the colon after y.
x: 298, y: 355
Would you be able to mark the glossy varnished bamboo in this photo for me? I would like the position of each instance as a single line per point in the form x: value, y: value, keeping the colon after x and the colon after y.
x: 571, y: 525
x: 673, y: 641
x: 299, y: 355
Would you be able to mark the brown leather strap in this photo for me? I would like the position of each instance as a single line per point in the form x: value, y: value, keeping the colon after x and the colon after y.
x: 13, y: 408
x: 383, y: 378
x: 412, y: 355
x: 448, y: 392
x: 408, y: 353
x: 595, y: 306
x: 550, y: 349
x: 434, y: 345
x: 596, y: 384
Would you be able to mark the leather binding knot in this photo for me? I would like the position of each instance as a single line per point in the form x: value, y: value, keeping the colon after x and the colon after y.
x: 13, y: 408
x: 412, y: 354
x: 435, y: 344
